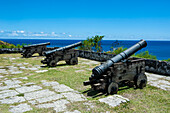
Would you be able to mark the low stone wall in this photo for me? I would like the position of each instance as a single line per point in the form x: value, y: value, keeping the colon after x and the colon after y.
x: 19, y: 50
x: 11, y: 50
x: 157, y: 66
x: 97, y: 56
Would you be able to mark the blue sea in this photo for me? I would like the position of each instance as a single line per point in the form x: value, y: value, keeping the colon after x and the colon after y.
x: 161, y: 49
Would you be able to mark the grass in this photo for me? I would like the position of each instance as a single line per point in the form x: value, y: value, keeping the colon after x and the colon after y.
x: 149, y: 99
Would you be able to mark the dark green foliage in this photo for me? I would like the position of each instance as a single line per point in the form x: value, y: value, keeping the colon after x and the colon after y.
x: 167, y: 60
x: 117, y: 50
x: 12, y: 46
x: 93, y: 43
x: 146, y: 55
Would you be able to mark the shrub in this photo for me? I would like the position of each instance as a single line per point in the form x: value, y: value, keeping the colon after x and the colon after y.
x: 93, y: 43
x: 117, y: 50
x: 145, y: 54
x: 168, y: 60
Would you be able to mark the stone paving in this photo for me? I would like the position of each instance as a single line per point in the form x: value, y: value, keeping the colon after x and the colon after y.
x: 159, y: 81
x: 114, y: 100
x: 22, y: 96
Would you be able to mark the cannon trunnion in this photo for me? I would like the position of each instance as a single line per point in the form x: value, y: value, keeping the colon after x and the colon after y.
x: 29, y: 50
x: 63, y: 53
x: 119, y: 70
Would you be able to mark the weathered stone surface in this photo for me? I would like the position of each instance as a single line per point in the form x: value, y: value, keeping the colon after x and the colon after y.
x: 60, y: 105
x: 28, y: 84
x: 38, y: 94
x: 73, y: 97
x: 1, y: 67
x: 5, y: 91
x: 16, y: 72
x: 114, y: 100
x: 62, y: 88
x: 12, y: 82
x: 25, y: 89
x: 41, y: 71
x: 158, y: 81
x: 75, y: 111
x: 50, y: 98
x: 12, y: 100
x: 20, y: 108
x: 89, y: 104
x: 23, y: 67
x: 1, y: 76
x: 45, y: 83
x: 33, y: 69
x: 47, y: 105
x: 20, y: 64
x: 33, y: 102
x: 79, y: 71
x: 8, y: 94
x: 3, y: 71
x: 11, y: 86
x: 25, y: 63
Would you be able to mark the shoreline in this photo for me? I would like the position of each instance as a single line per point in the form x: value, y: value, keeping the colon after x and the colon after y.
x: 79, y: 39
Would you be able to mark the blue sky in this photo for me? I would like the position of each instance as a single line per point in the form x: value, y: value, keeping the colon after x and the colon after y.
x: 78, y: 19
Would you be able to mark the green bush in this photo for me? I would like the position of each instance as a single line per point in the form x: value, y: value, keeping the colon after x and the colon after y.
x: 145, y: 54
x: 12, y: 46
x: 168, y: 60
x: 93, y: 43
x: 117, y: 50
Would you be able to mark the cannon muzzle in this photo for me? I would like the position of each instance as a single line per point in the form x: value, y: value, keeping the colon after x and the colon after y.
x: 34, y: 45
x: 64, y: 48
x: 99, y: 70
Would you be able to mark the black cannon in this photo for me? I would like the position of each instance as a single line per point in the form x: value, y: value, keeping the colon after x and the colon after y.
x: 63, y: 53
x: 29, y: 50
x: 119, y: 70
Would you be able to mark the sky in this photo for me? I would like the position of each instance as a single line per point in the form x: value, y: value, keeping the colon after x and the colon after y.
x: 79, y: 19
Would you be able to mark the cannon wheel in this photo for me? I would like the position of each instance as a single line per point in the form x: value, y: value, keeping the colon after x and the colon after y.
x: 42, y: 53
x: 67, y: 62
x: 73, y: 61
x: 112, y: 88
x: 52, y: 63
x: 27, y: 55
x: 140, y: 81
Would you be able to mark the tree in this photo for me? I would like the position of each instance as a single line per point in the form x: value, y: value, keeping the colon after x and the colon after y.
x: 93, y: 43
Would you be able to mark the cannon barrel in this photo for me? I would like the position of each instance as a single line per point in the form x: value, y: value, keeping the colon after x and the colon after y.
x: 64, y: 48
x: 34, y: 45
x: 98, y: 70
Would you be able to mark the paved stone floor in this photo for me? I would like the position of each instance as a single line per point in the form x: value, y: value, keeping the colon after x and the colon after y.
x: 22, y: 96
x: 159, y: 81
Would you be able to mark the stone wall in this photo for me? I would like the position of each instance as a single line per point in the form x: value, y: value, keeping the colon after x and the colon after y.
x: 157, y: 66
x: 11, y: 50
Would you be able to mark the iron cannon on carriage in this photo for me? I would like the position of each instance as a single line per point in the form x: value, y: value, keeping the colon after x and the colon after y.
x: 119, y: 70
x: 29, y: 50
x: 66, y: 53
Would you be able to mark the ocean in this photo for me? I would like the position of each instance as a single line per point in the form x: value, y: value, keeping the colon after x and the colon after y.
x: 161, y: 49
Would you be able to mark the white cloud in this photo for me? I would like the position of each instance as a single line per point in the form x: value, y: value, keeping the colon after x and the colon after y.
x: 64, y: 33
x: 41, y: 32
x: 70, y: 35
x: 1, y: 31
x: 13, y: 34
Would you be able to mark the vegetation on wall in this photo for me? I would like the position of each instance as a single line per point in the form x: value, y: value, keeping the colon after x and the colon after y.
x: 92, y: 44
x: 8, y: 45
x: 146, y: 55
